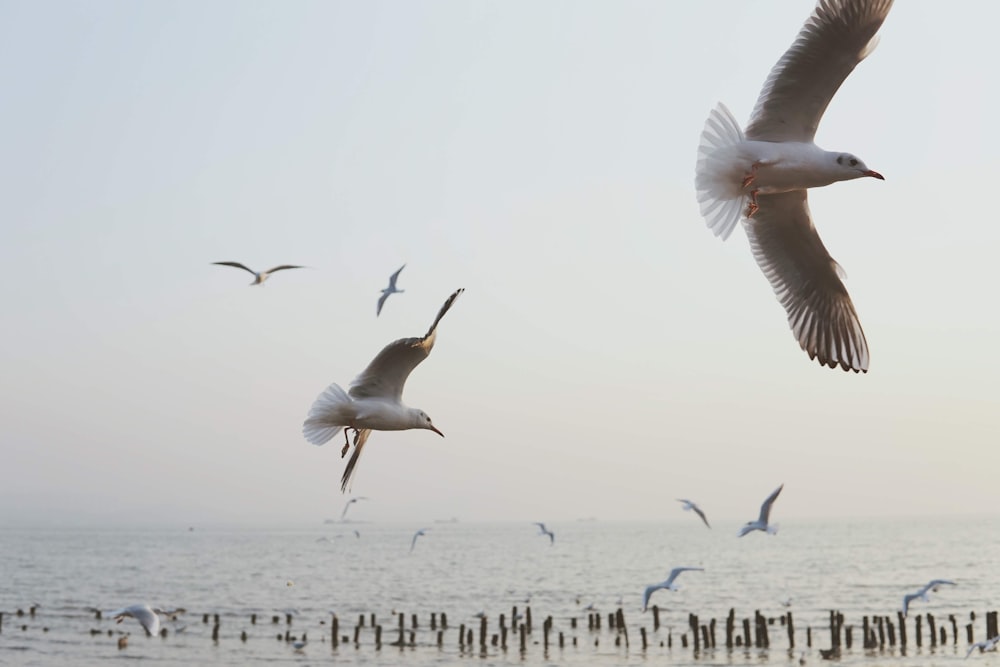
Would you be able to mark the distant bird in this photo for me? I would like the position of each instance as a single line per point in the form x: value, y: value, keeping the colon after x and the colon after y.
x: 357, y: 534
x: 391, y: 289
x: 787, y: 602
x: 668, y: 583
x: 761, y: 177
x: 374, y: 399
x: 413, y: 543
x: 689, y: 505
x: 545, y: 531
x: 141, y: 612
x: 259, y: 278
x: 348, y: 504
x: 985, y: 645
x: 761, y: 522
x: 931, y: 587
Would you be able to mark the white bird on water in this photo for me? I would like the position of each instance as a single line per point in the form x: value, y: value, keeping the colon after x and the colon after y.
x: 259, y: 276
x: 542, y: 530
x: 762, y: 521
x: 689, y: 505
x: 922, y: 594
x: 667, y: 583
x: 413, y: 542
x: 391, y: 289
x: 146, y: 616
x: 373, y: 401
x: 761, y: 177
x: 983, y: 646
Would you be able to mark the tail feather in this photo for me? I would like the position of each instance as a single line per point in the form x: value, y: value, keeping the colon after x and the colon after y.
x: 329, y: 413
x: 720, y: 199
x: 360, y: 438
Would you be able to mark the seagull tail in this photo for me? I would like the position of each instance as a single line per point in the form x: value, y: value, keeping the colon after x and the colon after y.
x: 329, y: 413
x: 359, y: 442
x: 721, y: 198
x: 772, y: 529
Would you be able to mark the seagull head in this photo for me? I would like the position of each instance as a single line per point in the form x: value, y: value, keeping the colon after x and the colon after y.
x: 850, y: 167
x: 422, y: 420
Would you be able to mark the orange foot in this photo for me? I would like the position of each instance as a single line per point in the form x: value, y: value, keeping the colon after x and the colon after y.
x: 752, y: 207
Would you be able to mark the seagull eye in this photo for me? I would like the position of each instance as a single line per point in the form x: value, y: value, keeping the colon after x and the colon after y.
x: 840, y: 159
x: 854, y: 163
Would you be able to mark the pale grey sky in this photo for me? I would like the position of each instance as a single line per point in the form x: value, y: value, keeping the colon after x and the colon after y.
x: 609, y: 354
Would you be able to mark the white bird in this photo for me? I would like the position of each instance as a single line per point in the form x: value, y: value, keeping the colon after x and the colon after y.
x: 391, y: 289
x: 373, y: 401
x: 348, y: 504
x: 259, y: 277
x: 545, y: 531
x: 985, y: 645
x: 667, y: 583
x: 761, y: 176
x: 690, y: 505
x: 413, y: 543
x: 146, y: 616
x: 761, y: 522
x: 931, y: 587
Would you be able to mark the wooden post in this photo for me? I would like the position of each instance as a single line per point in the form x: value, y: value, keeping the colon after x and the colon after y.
x: 991, y: 624
x: 482, y: 633
x: 334, y: 629
x: 684, y: 640
x: 762, y: 622
x: 901, y: 621
x: 503, y: 637
x: 809, y: 636
x: 642, y: 632
x: 413, y: 637
x: 849, y: 636
x: 968, y: 632
x: 704, y: 636
x: 711, y: 629
x: 693, y: 624
x: 440, y: 638
x: 253, y: 619
x: 434, y: 619
x: 620, y: 618
x: 954, y: 627
x: 834, y: 634
x: 656, y: 618
x: 931, y: 631
x: 378, y: 637
x: 461, y: 635
x: 523, y: 636
x: 361, y: 619
x: 413, y: 620
x: 746, y: 633
x: 545, y: 633
x: 730, y: 623
x: 791, y: 630
x: 918, y: 630
x: 215, y: 632
x: 611, y: 620
x: 373, y: 624
x: 402, y: 622
x: 881, y: 631
x: 204, y: 618
x: 944, y: 635
x: 357, y: 635
x: 891, y: 630
x: 527, y: 617
x: 444, y: 621
x: 561, y: 640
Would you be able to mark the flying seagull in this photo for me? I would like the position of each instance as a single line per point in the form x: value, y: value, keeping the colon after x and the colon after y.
x: 373, y: 401
x: 690, y: 505
x: 668, y: 584
x: 985, y: 645
x: 348, y: 504
x: 413, y: 543
x: 761, y: 177
x: 141, y: 612
x: 259, y: 278
x: 542, y: 530
x: 391, y: 289
x: 931, y: 587
x: 761, y: 522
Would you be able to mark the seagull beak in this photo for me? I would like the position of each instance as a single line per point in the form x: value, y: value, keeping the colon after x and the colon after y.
x: 873, y: 174
x: 431, y: 427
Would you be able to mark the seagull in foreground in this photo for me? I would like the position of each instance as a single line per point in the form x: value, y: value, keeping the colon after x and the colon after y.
x: 373, y: 401
x: 761, y: 522
x: 413, y: 543
x: 689, y: 505
x: 983, y: 646
x: 545, y: 531
x: 146, y: 616
x: 391, y: 289
x: 761, y: 176
x: 668, y: 584
x: 931, y: 587
x: 259, y: 278
x: 348, y: 504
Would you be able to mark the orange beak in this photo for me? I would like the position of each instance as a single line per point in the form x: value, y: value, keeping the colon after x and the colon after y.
x: 874, y: 174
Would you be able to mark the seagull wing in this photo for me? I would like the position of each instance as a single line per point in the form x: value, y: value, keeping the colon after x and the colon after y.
x: 381, y: 302
x: 838, y: 36
x: 237, y: 265
x: 648, y: 592
x: 142, y: 613
x: 387, y: 372
x: 283, y: 267
x: 674, y: 573
x: 392, y: 278
x: 765, y: 509
x: 698, y: 511
x: 360, y: 438
x: 804, y: 278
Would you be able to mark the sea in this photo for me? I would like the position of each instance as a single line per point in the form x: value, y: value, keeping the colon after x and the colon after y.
x: 276, y: 591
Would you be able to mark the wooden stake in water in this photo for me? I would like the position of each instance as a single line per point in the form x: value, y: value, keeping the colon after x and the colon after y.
x: 334, y: 628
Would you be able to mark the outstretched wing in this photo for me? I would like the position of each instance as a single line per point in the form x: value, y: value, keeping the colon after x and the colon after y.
x: 392, y: 278
x: 237, y: 265
x: 386, y: 374
x: 283, y: 267
x: 838, y: 36
x: 765, y: 509
x: 700, y: 513
x: 381, y: 302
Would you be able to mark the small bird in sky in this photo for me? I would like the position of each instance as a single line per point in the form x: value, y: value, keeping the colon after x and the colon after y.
x: 761, y: 522
x: 348, y: 504
x: 689, y: 505
x: 545, y: 531
x: 146, y: 616
x: 413, y: 543
x: 922, y: 594
x: 667, y: 583
x: 373, y: 401
x: 259, y: 278
x: 391, y: 289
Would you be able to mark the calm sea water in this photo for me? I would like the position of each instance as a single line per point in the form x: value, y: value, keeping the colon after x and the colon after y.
x: 856, y: 567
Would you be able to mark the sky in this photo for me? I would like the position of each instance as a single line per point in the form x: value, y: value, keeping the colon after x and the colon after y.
x: 609, y: 354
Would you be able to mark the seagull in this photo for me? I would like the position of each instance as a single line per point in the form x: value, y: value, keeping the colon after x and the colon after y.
x: 422, y: 531
x: 668, y: 584
x: 985, y: 645
x: 545, y: 531
x: 391, y: 289
x: 689, y: 505
x: 141, y: 612
x: 760, y: 176
x: 259, y: 278
x: 931, y: 587
x: 761, y: 522
x: 348, y: 504
x: 373, y: 401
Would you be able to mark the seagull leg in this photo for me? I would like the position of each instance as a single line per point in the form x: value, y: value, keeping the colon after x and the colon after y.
x: 749, y: 178
x: 752, y: 207
x: 347, y: 445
